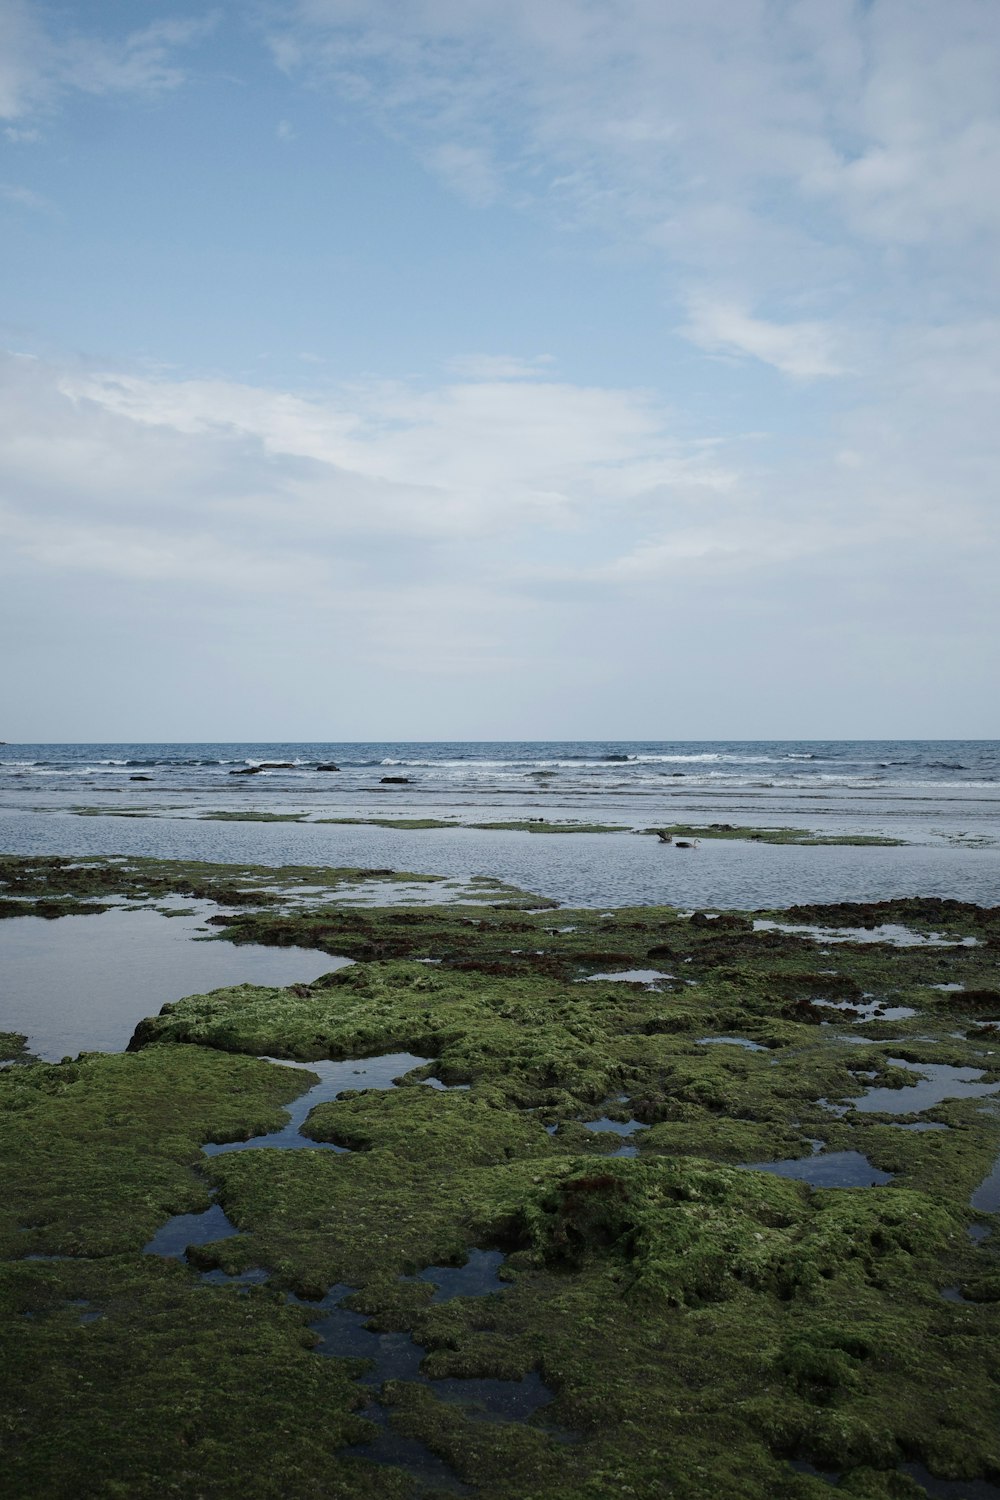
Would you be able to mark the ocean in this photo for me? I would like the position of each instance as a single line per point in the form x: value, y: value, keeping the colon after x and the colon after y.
x: 940, y: 797
x: 470, y: 774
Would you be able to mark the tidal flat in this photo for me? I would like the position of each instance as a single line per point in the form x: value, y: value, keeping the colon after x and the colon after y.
x: 571, y: 1205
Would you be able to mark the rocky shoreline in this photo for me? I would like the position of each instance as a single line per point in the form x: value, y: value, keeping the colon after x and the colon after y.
x: 651, y: 1121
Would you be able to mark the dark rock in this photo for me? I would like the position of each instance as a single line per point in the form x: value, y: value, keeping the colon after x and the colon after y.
x: 734, y: 921
x: 327, y: 765
x: 140, y: 778
x: 395, y: 780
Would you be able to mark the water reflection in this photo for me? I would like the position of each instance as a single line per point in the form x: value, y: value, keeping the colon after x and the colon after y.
x: 83, y: 983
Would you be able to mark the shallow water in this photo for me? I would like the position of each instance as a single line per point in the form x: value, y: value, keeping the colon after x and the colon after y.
x: 397, y: 1356
x: 986, y: 1198
x: 190, y: 1229
x: 341, y: 1331
x: 892, y: 933
x: 937, y: 1082
x: 833, y: 1169
x: 580, y: 870
x: 334, y: 1079
x: 615, y: 1127
x: 731, y: 1041
x: 938, y: 1489
x: 860, y: 1012
x: 478, y: 1277
x: 83, y: 983
x: 630, y: 976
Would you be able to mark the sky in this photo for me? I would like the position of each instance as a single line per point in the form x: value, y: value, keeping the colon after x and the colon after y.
x: 475, y: 369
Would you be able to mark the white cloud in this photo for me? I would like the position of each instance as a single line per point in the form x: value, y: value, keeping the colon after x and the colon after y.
x: 39, y: 63
x: 467, y: 458
x: 25, y: 197
x: 803, y: 350
x: 773, y: 150
x: 258, y: 473
x: 499, y: 366
x: 468, y: 170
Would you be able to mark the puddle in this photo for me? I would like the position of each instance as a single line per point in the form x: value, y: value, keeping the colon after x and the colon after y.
x: 616, y: 1127
x: 833, y: 1169
x: 83, y: 983
x: 986, y: 1198
x: 256, y: 1276
x: 919, y: 1125
x: 629, y: 976
x: 862, y: 1011
x: 496, y: 1400
x: 334, y: 1078
x: 951, y: 1489
x: 732, y: 1041
x: 397, y: 1356
x: 477, y: 1278
x: 938, y: 1081
x: 878, y: 1041
x: 190, y: 1229
x: 890, y: 932
x: 938, y: 1489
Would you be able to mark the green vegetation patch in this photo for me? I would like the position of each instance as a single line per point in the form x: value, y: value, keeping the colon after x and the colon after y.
x: 55, y: 886
x: 250, y: 815
x: 99, y: 1152
x: 698, y: 1324
x: 13, y: 1047
x: 508, y: 825
x: 125, y: 1377
x: 772, y: 835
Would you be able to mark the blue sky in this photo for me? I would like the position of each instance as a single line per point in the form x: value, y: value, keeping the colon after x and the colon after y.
x: 474, y: 368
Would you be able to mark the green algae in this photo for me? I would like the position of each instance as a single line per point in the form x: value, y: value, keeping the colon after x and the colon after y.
x: 54, y: 886
x: 99, y: 1151
x: 250, y: 816
x: 800, y: 836
x: 168, y: 1387
x: 698, y: 1324
x: 506, y: 825
x: 13, y: 1047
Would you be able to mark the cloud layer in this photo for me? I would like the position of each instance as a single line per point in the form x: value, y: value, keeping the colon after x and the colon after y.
x: 803, y: 485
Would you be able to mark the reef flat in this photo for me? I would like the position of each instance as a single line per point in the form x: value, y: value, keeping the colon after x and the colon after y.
x: 641, y: 1202
x: 803, y: 837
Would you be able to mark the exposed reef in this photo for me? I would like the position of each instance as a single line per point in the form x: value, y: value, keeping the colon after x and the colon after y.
x: 704, y: 1321
x: 801, y: 836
